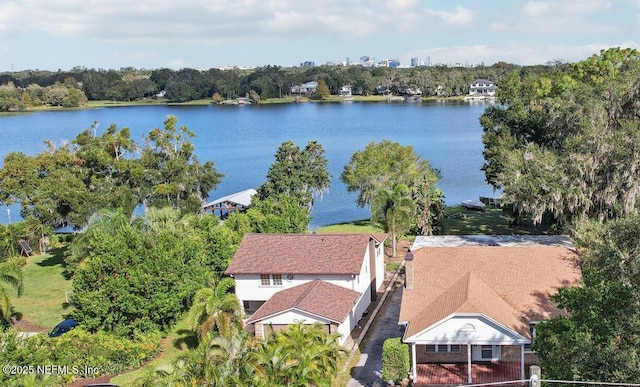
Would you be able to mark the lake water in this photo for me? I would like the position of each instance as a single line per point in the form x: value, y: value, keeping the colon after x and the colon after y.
x: 242, y: 141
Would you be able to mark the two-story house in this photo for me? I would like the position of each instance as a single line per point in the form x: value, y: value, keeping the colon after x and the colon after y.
x: 482, y: 87
x: 326, y: 278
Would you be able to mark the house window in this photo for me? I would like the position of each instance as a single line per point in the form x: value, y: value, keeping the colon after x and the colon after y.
x: 486, y: 352
x: 532, y: 334
x: 271, y: 280
x: 430, y: 348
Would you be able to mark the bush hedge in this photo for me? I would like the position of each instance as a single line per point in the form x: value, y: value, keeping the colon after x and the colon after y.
x: 76, y: 354
x: 395, y: 360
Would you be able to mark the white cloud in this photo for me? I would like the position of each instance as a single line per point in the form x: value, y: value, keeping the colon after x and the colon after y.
x: 461, y: 17
x: 514, y: 53
x: 535, y: 8
x: 217, y: 19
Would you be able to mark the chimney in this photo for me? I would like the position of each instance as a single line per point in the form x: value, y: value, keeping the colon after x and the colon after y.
x: 408, y: 270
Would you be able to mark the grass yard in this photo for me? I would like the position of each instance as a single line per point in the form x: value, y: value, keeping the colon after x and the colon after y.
x: 43, y: 301
x: 461, y: 221
x: 491, y: 221
x: 355, y: 227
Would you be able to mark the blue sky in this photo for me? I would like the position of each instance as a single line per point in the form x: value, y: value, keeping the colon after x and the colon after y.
x: 110, y: 34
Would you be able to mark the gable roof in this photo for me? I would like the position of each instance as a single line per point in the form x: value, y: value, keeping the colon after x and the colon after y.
x: 319, y: 298
x: 509, y: 284
x: 301, y: 253
x: 470, y: 295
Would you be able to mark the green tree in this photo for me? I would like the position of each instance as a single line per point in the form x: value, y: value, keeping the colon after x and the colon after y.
x: 599, y: 340
x: 322, y: 90
x: 563, y: 144
x: 139, y: 275
x: 215, y: 307
x: 612, y: 249
x: 216, y: 361
x: 395, y: 210
x: 173, y: 176
x: 384, y: 165
x: 11, y: 275
x: 302, y: 355
x: 429, y: 202
x: 301, y: 174
x: 275, y: 214
x: 67, y: 184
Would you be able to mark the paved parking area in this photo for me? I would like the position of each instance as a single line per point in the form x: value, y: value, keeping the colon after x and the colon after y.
x: 368, y: 371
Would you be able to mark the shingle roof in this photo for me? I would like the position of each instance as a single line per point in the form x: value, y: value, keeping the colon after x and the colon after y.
x: 509, y: 284
x: 301, y: 253
x: 319, y: 298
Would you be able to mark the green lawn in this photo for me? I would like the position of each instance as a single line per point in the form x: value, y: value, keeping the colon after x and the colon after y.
x: 457, y: 221
x: 491, y: 221
x: 355, y: 227
x: 43, y: 301
x: 461, y: 221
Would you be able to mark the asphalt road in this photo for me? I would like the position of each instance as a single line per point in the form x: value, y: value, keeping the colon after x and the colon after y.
x: 368, y: 371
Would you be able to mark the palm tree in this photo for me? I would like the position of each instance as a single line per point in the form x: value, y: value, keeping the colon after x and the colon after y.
x: 216, y: 308
x: 10, y: 274
x: 427, y: 197
x: 302, y: 355
x: 395, y: 210
x: 216, y: 361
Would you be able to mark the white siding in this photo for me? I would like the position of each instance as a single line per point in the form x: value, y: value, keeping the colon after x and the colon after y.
x: 467, y: 329
x: 248, y: 286
x: 380, y: 269
x: 291, y: 317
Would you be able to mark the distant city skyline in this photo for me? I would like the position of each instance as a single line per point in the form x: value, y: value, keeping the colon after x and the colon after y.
x: 110, y: 34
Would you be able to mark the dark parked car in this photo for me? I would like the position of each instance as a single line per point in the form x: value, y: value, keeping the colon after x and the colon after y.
x: 63, y: 327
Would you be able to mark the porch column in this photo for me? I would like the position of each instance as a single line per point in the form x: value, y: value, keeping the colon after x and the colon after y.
x: 414, y: 365
x: 469, y: 378
x: 521, y: 361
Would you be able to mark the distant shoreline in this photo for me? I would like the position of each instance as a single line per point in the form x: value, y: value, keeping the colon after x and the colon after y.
x: 203, y: 102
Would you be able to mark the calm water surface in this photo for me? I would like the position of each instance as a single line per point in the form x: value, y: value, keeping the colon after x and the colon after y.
x: 242, y: 141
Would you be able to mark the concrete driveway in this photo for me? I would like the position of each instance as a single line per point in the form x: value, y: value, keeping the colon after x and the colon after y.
x: 368, y: 371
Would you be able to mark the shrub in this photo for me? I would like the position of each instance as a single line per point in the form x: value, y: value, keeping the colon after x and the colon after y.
x: 74, y: 354
x: 395, y: 360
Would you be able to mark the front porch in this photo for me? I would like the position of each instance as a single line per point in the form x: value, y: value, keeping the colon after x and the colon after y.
x: 457, y: 373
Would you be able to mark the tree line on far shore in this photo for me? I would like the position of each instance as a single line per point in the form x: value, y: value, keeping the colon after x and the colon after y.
x: 35, y: 88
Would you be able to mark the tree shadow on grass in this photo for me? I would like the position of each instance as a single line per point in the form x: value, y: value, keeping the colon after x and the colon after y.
x: 56, y: 258
x: 186, y: 337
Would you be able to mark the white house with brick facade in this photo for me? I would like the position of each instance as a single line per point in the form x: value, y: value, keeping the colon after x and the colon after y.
x: 470, y: 303
x: 326, y: 278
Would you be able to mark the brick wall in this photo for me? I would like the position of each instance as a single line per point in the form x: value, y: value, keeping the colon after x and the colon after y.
x: 508, y: 353
x: 422, y: 356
